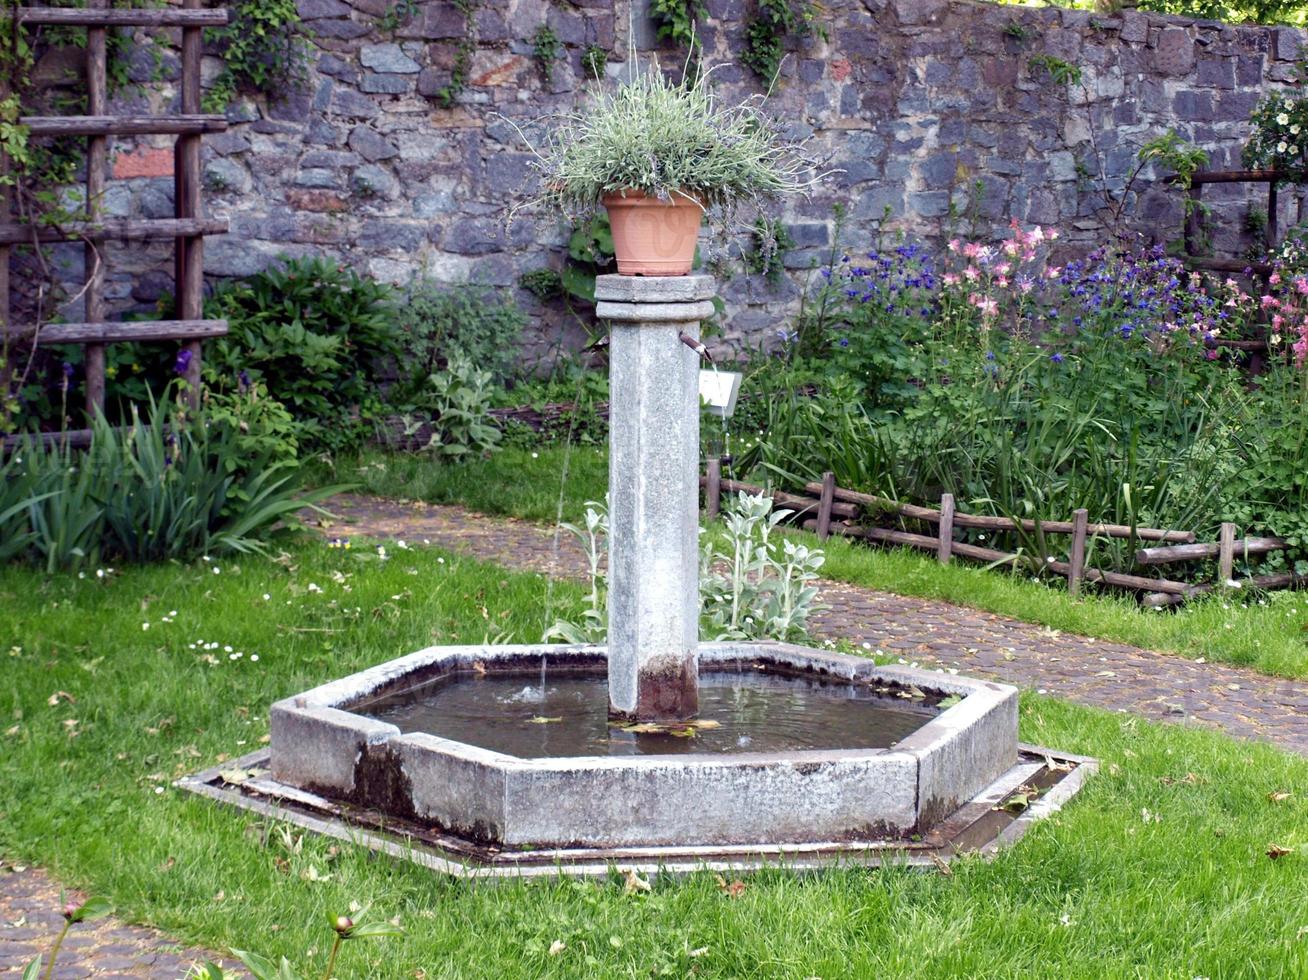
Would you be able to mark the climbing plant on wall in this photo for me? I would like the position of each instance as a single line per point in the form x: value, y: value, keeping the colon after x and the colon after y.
x: 765, y: 36
x: 263, y: 50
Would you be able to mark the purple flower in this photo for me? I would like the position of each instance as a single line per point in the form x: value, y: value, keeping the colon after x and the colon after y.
x: 183, y: 362
x: 1056, y: 358
x: 243, y: 380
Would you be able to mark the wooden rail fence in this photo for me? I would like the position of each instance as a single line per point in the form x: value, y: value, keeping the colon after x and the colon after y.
x: 829, y: 509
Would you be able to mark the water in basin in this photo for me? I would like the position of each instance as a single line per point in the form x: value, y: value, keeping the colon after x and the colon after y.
x: 566, y: 714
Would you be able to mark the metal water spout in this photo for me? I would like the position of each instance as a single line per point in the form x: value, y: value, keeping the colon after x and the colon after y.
x: 653, y: 665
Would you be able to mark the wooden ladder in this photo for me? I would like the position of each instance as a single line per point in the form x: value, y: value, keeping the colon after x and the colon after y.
x: 187, y: 228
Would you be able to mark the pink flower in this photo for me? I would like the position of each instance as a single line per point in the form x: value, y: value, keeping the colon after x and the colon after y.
x: 971, y: 250
x: 1003, y: 268
x: 1269, y: 301
x: 1301, y: 284
x: 951, y: 279
x: 1274, y: 278
x: 1211, y: 355
x: 1024, y: 283
x: 1002, y: 282
x: 971, y: 273
x: 1011, y: 249
x: 953, y: 244
x: 1053, y: 272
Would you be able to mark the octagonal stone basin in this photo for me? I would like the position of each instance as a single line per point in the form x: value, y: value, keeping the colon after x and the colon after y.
x: 900, y: 781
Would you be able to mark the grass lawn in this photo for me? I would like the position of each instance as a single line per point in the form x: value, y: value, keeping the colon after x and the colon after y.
x: 1159, y: 868
x: 1268, y: 633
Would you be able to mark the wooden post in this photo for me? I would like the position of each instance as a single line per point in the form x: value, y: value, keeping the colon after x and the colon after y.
x: 824, y: 505
x: 945, y: 548
x: 1226, y: 556
x: 189, y: 262
x: 96, y: 162
x: 713, y: 488
x: 1273, y: 205
x: 1193, y: 219
x: 1080, y: 521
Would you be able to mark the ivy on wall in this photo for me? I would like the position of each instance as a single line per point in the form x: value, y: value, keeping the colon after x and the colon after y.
x: 765, y: 36
x: 263, y: 50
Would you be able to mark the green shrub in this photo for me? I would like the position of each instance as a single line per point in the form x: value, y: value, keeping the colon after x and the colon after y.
x: 318, y: 335
x: 441, y: 323
x: 165, y: 487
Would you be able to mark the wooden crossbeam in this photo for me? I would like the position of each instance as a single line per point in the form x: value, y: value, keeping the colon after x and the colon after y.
x: 124, y: 332
x: 121, y: 18
x: 123, y: 125
x: 119, y: 229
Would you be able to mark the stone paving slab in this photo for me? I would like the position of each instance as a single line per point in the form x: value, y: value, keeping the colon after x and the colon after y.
x: 1101, y: 673
x: 106, y: 949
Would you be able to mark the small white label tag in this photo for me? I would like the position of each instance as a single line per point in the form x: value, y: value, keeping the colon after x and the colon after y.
x: 718, y: 390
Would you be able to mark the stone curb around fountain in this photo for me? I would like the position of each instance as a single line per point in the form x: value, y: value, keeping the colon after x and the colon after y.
x: 319, y: 746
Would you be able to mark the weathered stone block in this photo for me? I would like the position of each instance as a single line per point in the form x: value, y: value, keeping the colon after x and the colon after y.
x: 388, y: 58
x: 370, y: 145
x: 1175, y: 52
x: 317, y: 9
x: 386, y: 84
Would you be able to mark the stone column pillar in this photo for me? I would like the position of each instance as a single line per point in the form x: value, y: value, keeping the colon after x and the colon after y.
x: 653, y: 493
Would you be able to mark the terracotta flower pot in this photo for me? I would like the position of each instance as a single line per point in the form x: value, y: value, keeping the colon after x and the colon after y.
x: 653, y: 237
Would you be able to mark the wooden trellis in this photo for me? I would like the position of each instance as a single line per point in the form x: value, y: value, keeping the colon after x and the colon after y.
x: 187, y: 228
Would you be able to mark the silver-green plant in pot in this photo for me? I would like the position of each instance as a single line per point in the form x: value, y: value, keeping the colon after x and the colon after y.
x: 660, y: 154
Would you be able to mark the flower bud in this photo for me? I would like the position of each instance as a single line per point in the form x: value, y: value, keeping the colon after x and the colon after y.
x: 69, y: 910
x: 344, y: 924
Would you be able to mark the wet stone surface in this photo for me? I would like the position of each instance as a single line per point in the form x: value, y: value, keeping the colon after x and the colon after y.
x: 565, y: 715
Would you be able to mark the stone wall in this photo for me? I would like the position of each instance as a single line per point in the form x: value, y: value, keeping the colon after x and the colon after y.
x: 931, y: 110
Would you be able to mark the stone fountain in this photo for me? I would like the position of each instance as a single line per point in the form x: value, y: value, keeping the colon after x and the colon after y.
x: 450, y: 756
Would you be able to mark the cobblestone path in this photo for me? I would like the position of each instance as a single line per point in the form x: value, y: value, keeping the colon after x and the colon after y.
x: 105, y: 949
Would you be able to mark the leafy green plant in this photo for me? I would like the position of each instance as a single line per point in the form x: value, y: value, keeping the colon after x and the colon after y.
x: 165, y: 487
x: 593, y: 61
x: 463, y: 52
x: 675, y: 20
x: 440, y: 323
x: 261, y: 426
x: 457, y: 401
x: 317, y: 334
x: 765, y: 35
x: 546, y: 48
x: 1018, y: 32
x: 1175, y: 154
x: 346, y: 930
x: 590, y: 254
x: 660, y: 137
x: 262, y: 49
x: 397, y: 15
x: 543, y: 283
x: 1060, y: 72
x: 73, y: 913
